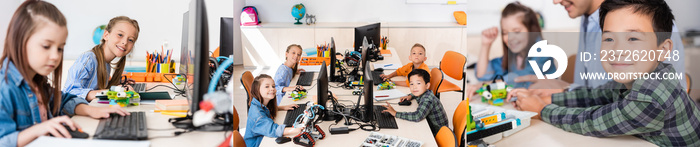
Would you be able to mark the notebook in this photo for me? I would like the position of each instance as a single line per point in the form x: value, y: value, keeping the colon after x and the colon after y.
x: 180, y: 104
x: 381, y: 95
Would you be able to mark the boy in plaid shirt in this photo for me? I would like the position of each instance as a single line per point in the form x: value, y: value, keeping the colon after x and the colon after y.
x: 429, y: 106
x: 652, y: 105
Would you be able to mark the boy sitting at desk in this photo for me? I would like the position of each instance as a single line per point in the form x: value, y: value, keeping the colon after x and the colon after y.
x: 417, y: 58
x: 656, y: 109
x: 429, y: 106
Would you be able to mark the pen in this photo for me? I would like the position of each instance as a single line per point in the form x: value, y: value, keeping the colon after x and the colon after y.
x: 382, y: 96
x: 173, y: 114
x: 388, y: 65
x: 169, y: 110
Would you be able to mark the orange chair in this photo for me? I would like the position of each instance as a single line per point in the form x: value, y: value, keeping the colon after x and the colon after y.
x: 445, y: 137
x: 460, y: 112
x: 235, y: 118
x: 247, y: 81
x: 238, y: 139
x: 454, y: 69
x: 459, y: 119
x: 459, y: 130
x: 435, y: 80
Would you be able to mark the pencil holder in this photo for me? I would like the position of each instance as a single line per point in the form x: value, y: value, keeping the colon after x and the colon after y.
x: 164, y: 68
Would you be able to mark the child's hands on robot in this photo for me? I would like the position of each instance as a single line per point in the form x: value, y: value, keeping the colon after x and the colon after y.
x: 299, y: 93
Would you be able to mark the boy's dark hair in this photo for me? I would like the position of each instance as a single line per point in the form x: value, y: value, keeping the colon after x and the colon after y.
x: 658, y: 10
x: 421, y: 73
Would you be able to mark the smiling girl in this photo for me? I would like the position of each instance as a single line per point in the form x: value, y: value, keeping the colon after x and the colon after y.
x: 519, y: 31
x: 90, y: 74
x: 31, y: 105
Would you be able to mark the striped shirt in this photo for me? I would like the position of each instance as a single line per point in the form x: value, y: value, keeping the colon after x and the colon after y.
x: 429, y: 107
x: 656, y: 110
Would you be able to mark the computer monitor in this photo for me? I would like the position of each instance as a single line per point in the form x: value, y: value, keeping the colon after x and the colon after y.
x: 322, y: 86
x: 370, y: 31
x: 226, y: 37
x: 184, y: 52
x: 368, y: 95
x: 199, y: 46
x: 333, y: 76
x: 364, y: 54
x: 322, y: 91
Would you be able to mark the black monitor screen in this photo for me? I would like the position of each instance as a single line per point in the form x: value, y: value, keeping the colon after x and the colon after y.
x: 226, y: 37
x: 370, y: 31
x: 332, y: 64
x: 368, y: 94
x: 322, y: 95
x: 365, y: 58
x: 198, y: 52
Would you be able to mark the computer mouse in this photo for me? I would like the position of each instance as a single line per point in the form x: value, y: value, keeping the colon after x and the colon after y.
x: 405, y: 103
x: 379, y: 69
x: 281, y: 140
x: 76, y: 133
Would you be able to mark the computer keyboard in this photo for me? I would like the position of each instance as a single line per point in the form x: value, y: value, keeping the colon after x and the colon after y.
x: 385, y: 120
x: 376, y: 76
x: 129, y: 127
x: 139, y: 87
x: 305, y: 78
x: 292, y: 115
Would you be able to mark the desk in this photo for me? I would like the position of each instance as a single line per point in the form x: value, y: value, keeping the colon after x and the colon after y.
x: 157, y: 121
x: 541, y: 134
x: 407, y: 129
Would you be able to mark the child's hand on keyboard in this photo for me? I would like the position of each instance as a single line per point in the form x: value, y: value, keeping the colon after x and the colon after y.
x: 389, y: 109
x: 103, y: 112
x: 288, y: 107
x: 384, y: 77
x: 128, y: 87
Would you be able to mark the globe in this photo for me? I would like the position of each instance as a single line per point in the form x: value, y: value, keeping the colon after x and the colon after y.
x: 97, y: 34
x: 298, y: 12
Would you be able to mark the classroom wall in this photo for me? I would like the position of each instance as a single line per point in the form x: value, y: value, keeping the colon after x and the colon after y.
x: 159, y: 20
x: 356, y: 11
x: 237, y: 47
x: 7, y: 9
x: 486, y: 14
x: 685, y: 12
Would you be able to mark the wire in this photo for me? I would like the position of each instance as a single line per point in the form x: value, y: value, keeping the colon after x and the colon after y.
x: 152, y: 129
x: 217, y: 75
x: 166, y: 86
x: 312, y: 86
x: 175, y: 134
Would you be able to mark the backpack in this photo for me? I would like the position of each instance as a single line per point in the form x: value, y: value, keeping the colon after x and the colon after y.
x: 249, y: 16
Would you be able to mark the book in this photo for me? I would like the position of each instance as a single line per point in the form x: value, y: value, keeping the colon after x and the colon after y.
x: 181, y: 104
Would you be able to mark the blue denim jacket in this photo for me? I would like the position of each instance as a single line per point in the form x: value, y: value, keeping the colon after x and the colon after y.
x: 82, y: 76
x: 19, y: 108
x: 260, y: 124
